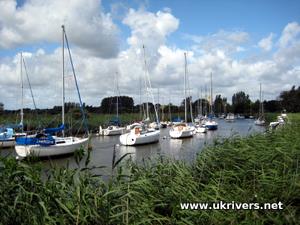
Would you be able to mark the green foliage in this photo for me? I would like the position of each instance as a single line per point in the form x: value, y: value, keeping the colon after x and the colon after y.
x: 291, y: 99
x: 261, y: 168
x: 241, y: 103
x: 109, y: 104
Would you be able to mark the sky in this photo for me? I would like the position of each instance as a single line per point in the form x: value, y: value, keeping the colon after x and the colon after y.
x: 241, y: 43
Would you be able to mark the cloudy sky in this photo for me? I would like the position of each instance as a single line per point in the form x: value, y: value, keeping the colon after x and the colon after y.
x: 242, y: 43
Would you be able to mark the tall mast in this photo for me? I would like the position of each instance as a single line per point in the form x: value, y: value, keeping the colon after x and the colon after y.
x: 201, y: 110
x: 185, y: 106
x: 22, y: 92
x: 170, y: 109
x: 149, y: 89
x: 211, y: 95
x: 145, y: 65
x: 63, y: 79
x: 117, y: 86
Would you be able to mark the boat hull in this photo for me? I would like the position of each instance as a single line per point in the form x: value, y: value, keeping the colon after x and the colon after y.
x: 70, y: 145
x: 200, y: 130
x: 7, y: 143
x: 181, y: 134
x: 113, y: 132
x: 141, y: 139
x: 259, y: 122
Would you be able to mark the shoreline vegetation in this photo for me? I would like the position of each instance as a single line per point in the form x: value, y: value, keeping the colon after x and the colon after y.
x: 261, y: 168
x: 35, y: 121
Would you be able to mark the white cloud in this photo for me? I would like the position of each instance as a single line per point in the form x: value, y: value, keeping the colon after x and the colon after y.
x: 289, y: 33
x: 229, y: 41
x: 209, y: 53
x: 40, y: 21
x: 150, y: 29
x: 266, y: 43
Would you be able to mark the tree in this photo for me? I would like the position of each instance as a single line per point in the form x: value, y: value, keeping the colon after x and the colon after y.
x: 272, y: 106
x: 1, y: 107
x: 125, y: 103
x: 241, y: 103
x: 290, y: 100
x: 219, y: 104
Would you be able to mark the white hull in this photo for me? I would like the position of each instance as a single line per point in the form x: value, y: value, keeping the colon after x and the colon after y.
x: 139, y: 139
x: 259, y: 122
x: 211, y: 125
x: 180, y: 134
x: 200, y: 130
x: 68, y: 145
x: 7, y: 143
x: 114, y: 131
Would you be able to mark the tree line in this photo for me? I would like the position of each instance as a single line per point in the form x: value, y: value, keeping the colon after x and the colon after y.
x: 240, y: 104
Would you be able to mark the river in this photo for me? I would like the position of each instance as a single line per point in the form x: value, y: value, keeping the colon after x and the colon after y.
x: 178, y: 149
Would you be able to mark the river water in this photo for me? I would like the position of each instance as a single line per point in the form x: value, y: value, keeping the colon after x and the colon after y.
x: 178, y: 149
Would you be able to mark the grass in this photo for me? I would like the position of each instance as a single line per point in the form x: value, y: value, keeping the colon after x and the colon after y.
x: 260, y: 168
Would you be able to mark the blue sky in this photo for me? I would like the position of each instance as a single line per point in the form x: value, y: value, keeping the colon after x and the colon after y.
x: 242, y: 43
x: 206, y: 17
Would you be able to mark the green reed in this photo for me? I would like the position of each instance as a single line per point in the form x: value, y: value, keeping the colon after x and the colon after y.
x: 260, y: 168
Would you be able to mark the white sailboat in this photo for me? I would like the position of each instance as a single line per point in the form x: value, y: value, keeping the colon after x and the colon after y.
x: 115, y: 129
x: 46, y: 143
x: 230, y: 117
x: 7, y: 134
x: 140, y: 133
x: 260, y: 121
x: 182, y: 130
x: 211, y: 124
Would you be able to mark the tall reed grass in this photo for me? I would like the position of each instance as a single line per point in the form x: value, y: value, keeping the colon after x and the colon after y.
x: 260, y: 168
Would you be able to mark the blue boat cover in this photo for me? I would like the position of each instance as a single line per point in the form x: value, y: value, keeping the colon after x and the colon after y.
x: 176, y: 119
x: 54, y: 130
x: 43, y: 141
x: 6, y: 133
x: 115, y: 121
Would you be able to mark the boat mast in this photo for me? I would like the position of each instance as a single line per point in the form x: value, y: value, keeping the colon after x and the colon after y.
x: 22, y: 92
x: 145, y: 65
x: 201, y: 110
x: 185, y: 106
x: 211, y: 97
x: 117, y: 95
x: 63, y: 79
x: 170, y: 110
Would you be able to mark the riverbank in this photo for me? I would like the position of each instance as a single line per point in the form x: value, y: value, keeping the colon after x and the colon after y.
x: 262, y: 168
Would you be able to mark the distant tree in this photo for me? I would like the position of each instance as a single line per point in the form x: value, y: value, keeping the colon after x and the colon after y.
x: 108, y: 104
x: 219, y: 104
x: 290, y: 100
x: 1, y: 107
x: 272, y: 106
x: 241, y: 103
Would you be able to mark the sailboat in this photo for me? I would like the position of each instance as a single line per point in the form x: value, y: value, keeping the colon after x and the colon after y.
x: 260, y: 121
x: 140, y: 133
x: 230, y: 117
x: 7, y: 133
x: 182, y: 130
x: 211, y: 124
x: 114, y: 128
x: 199, y: 127
x: 47, y: 143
